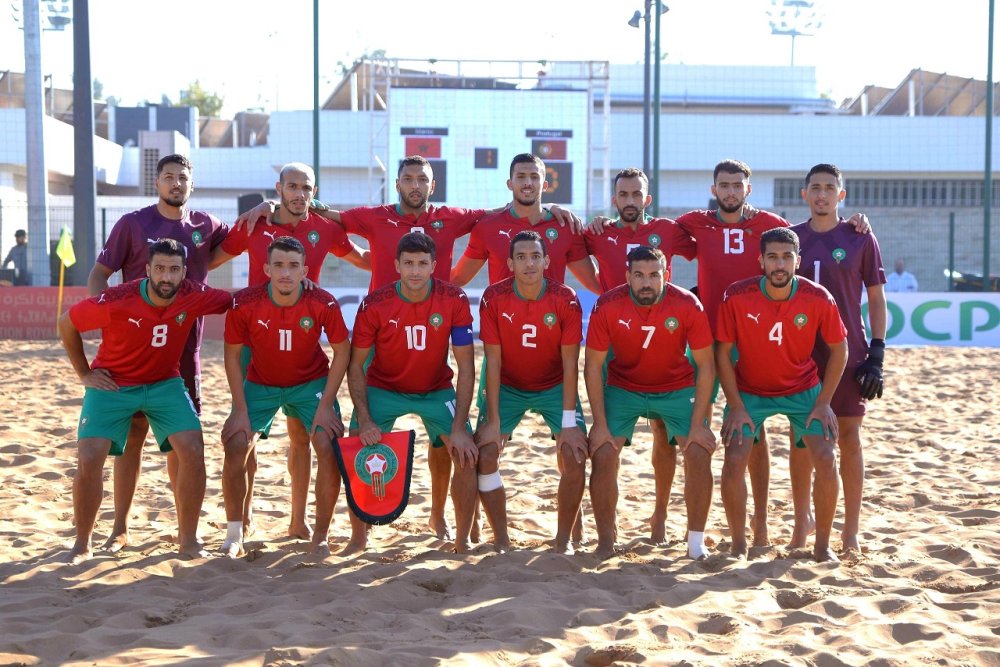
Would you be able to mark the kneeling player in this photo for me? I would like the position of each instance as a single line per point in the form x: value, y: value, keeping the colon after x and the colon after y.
x: 282, y: 323
x: 531, y: 329
x: 649, y: 322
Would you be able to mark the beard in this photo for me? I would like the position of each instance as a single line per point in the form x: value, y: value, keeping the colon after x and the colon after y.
x: 732, y: 208
x: 166, y: 290
x: 647, y: 297
x: 415, y: 200
x: 175, y: 200
x: 629, y: 214
x: 526, y: 200
x: 779, y: 278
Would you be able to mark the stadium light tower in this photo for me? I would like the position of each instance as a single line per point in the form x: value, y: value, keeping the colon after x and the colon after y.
x: 794, y: 18
x: 650, y: 141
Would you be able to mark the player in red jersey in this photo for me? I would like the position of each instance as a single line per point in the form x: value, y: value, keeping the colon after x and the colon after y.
x: 490, y: 239
x: 126, y: 250
x: 282, y: 323
x: 408, y: 325
x: 145, y: 325
x: 531, y: 328
x: 847, y: 264
x: 610, y: 245
x: 319, y: 236
x: 649, y: 323
x: 384, y: 226
x: 773, y: 322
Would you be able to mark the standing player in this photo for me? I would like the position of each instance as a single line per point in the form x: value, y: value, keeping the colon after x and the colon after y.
x: 125, y: 250
x: 727, y: 239
x: 490, y: 239
x: 318, y: 236
x: 610, y: 245
x: 846, y: 264
x: 407, y: 327
x: 384, y: 226
x: 531, y: 328
x: 282, y: 323
x: 649, y: 323
x: 773, y: 322
x: 145, y: 325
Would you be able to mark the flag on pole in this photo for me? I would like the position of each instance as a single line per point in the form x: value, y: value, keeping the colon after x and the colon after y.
x: 64, y: 249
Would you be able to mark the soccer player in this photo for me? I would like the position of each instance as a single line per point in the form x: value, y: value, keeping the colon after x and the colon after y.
x: 649, y: 323
x: 846, y: 264
x: 531, y: 328
x: 126, y: 250
x: 490, y: 239
x: 774, y: 321
x: 384, y: 226
x: 145, y: 325
x: 282, y: 323
x: 610, y: 245
x: 408, y: 325
x: 319, y: 236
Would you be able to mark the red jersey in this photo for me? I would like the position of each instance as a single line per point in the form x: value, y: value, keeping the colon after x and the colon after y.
x: 649, y: 341
x: 411, y: 337
x: 383, y: 226
x: 775, y: 339
x: 490, y: 240
x: 285, y: 340
x: 530, y: 333
x: 611, y: 247
x: 142, y: 343
x: 726, y: 253
x: 318, y: 236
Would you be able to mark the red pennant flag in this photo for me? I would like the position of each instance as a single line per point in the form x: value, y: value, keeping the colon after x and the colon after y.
x: 377, y: 477
x: 423, y: 146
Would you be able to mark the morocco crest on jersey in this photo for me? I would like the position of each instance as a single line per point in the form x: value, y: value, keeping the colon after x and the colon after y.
x: 377, y: 477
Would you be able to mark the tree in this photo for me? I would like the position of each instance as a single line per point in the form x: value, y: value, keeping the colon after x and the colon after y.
x: 208, y: 104
x: 98, y: 89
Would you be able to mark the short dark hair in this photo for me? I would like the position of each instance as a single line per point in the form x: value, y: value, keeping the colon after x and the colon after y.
x: 779, y: 235
x: 19, y: 233
x: 824, y: 168
x: 168, y: 247
x: 414, y: 160
x: 645, y: 253
x: 523, y: 158
x: 731, y: 166
x: 173, y: 158
x: 631, y: 172
x: 527, y: 235
x: 416, y: 242
x: 296, y: 166
x: 288, y: 244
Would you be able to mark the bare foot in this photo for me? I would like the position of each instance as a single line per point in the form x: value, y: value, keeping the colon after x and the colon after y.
x: 604, y: 551
x: 192, y: 551
x: 462, y: 547
x: 319, y: 548
x: 851, y: 543
x: 564, y: 547
x: 657, y: 527
x: 758, y: 525
x: 439, y: 526
x: 116, y: 542
x: 801, y: 533
x: 78, y: 555
x: 825, y: 555
x: 354, y: 547
x: 501, y: 547
x: 738, y: 550
x: 249, y: 528
x: 301, y: 531
x: 233, y: 549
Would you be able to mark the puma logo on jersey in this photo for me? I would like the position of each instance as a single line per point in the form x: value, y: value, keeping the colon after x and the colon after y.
x: 101, y: 300
x: 613, y: 239
x: 509, y: 316
x: 264, y: 324
x: 271, y: 234
x: 331, y: 304
x: 393, y: 223
x: 626, y: 323
x: 755, y: 318
x: 149, y: 240
x: 505, y: 232
x: 135, y: 322
x: 394, y: 322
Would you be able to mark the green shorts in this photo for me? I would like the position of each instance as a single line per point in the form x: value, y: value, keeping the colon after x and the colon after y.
x: 514, y: 403
x: 108, y: 414
x: 624, y: 408
x: 796, y: 407
x: 436, y: 410
x: 299, y: 401
x: 715, y: 385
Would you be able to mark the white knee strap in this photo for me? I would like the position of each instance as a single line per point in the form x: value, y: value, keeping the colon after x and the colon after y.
x: 490, y: 482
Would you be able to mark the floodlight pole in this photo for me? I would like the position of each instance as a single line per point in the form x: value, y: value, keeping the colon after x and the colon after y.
x: 646, y: 144
x: 37, y: 176
x: 84, y: 176
x: 988, y: 171
x: 654, y: 178
x: 316, y: 91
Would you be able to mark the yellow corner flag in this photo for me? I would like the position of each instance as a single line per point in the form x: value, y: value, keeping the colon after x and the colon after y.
x: 64, y: 249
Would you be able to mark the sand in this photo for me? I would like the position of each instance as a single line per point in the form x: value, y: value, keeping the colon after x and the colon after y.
x: 926, y: 589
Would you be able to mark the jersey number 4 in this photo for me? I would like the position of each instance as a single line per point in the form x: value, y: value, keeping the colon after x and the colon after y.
x: 776, y: 333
